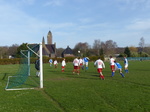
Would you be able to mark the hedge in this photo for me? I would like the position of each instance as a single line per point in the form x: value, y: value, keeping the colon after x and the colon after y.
x: 45, y: 60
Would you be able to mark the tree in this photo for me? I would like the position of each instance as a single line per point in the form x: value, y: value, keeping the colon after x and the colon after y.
x: 101, y: 52
x: 109, y: 47
x: 97, y: 47
x: 13, y: 50
x: 83, y: 48
x: 147, y: 49
x: 23, y: 46
x: 141, y: 44
x: 133, y: 49
x: 59, y: 51
x: 3, y: 52
x: 127, y: 52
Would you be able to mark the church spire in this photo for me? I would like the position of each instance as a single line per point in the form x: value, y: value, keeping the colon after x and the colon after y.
x: 43, y: 41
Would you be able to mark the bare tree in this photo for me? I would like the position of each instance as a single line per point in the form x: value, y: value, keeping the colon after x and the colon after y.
x: 82, y: 47
x: 141, y: 44
x: 3, y: 52
x: 59, y: 51
x: 13, y: 49
x: 109, y: 47
x: 97, y: 46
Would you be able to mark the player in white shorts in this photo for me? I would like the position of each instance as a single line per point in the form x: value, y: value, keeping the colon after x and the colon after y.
x: 126, y: 64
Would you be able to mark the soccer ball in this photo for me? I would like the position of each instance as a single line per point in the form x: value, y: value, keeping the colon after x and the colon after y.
x: 78, y: 51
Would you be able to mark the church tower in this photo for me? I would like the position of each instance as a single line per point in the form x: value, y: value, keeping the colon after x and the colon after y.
x: 49, y: 38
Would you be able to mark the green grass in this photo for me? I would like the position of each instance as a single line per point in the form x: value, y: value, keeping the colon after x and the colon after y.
x: 65, y: 92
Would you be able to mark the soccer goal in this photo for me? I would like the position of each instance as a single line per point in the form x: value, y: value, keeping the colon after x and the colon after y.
x: 25, y: 77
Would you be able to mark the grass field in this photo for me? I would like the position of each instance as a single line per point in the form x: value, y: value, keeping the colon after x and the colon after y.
x: 65, y: 92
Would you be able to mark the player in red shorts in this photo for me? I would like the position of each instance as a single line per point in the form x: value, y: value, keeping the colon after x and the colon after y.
x: 100, y: 65
x: 112, y: 65
x: 80, y: 62
x: 76, y: 66
x: 63, y: 64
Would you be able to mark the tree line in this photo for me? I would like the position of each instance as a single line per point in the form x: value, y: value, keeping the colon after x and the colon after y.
x: 99, y: 48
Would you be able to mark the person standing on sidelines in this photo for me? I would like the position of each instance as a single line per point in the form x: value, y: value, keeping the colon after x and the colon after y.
x: 76, y: 66
x: 63, y: 64
x: 112, y: 66
x: 126, y: 65
x: 51, y: 62
x: 100, y: 66
x: 119, y: 67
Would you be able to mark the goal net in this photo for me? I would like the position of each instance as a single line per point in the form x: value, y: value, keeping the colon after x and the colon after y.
x: 25, y: 77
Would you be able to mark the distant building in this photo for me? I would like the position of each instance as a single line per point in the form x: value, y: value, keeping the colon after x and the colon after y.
x: 67, y: 52
x: 49, y: 49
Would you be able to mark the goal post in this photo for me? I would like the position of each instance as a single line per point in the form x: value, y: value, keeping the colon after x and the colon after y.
x: 40, y: 55
x: 25, y: 78
x: 41, y: 67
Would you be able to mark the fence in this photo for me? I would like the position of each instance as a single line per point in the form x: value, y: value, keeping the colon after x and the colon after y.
x: 134, y: 58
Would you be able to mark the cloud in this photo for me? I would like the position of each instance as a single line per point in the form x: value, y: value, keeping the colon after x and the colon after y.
x: 29, y: 2
x: 62, y: 25
x: 134, y: 4
x: 143, y: 24
x: 85, y: 20
x: 54, y: 3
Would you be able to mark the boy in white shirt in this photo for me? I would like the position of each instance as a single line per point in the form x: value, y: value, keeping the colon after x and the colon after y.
x: 55, y: 63
x: 76, y: 66
x: 63, y: 64
x: 80, y: 62
x: 112, y: 65
x: 100, y: 65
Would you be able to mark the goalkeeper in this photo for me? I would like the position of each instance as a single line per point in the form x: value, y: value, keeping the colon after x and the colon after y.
x: 37, y: 66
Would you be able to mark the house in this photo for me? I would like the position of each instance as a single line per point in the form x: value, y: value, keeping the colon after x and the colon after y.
x: 67, y: 52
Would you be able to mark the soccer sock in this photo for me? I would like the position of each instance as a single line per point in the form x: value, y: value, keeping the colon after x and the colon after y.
x: 100, y: 76
x: 82, y: 67
x: 126, y: 71
x: 113, y: 73
x: 86, y: 68
x: 122, y: 74
x: 103, y: 77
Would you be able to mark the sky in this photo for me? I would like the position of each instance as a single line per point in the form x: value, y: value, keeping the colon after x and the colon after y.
x: 73, y: 21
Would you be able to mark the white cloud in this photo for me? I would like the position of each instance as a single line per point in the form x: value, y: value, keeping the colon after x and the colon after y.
x: 30, y: 2
x: 140, y: 25
x: 85, y: 20
x: 134, y: 4
x: 62, y: 25
x: 54, y: 3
